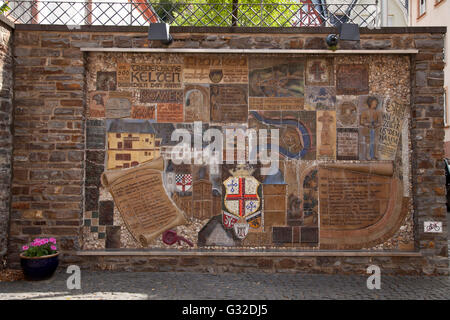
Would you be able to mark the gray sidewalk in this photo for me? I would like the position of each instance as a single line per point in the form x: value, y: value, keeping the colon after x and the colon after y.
x: 195, y: 286
x: 156, y: 286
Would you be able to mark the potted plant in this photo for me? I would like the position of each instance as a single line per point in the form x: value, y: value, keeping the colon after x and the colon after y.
x: 39, y: 260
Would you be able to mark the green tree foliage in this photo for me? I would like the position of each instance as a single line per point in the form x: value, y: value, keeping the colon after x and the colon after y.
x: 225, y: 13
x: 4, y: 6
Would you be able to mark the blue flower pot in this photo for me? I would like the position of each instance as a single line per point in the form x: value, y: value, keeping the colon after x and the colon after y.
x: 39, y: 268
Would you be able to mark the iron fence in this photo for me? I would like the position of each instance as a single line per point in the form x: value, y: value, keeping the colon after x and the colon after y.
x: 222, y: 13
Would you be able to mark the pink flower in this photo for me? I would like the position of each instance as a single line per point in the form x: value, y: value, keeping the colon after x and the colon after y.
x: 52, y: 240
x: 53, y: 247
x: 25, y: 248
x: 44, y: 241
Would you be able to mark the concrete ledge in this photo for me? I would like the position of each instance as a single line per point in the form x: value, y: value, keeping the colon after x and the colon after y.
x: 6, y: 22
x: 195, y: 253
x: 263, y: 51
x: 223, y: 30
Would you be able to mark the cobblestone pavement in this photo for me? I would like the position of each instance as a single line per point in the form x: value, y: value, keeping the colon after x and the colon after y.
x: 195, y: 286
x: 122, y: 285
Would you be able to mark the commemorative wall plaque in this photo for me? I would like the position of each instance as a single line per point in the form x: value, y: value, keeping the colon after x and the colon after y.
x: 352, y: 79
x: 228, y: 103
x: 150, y: 76
x: 342, y: 154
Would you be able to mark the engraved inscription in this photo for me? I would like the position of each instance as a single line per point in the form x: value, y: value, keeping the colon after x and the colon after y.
x: 352, y: 79
x: 351, y: 200
x: 229, y: 103
x: 155, y: 96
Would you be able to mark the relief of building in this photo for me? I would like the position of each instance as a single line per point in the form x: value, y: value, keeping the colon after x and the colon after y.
x: 130, y: 144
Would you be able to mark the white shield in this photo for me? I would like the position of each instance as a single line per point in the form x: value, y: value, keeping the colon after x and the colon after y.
x: 183, y: 182
x: 241, y: 229
x: 241, y: 195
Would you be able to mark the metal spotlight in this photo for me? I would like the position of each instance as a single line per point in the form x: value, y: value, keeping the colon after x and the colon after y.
x: 332, y: 40
x: 347, y: 32
x: 160, y: 31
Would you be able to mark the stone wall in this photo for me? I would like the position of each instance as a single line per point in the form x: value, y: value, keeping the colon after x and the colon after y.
x: 6, y: 117
x: 50, y: 191
x: 288, y: 264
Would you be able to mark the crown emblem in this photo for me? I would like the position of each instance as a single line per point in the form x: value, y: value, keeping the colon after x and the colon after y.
x: 242, y: 170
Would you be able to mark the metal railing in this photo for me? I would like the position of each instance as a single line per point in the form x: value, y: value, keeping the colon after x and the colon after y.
x: 222, y: 13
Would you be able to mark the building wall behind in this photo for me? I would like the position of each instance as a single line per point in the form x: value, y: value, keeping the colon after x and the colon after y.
x: 52, y: 136
x: 437, y: 14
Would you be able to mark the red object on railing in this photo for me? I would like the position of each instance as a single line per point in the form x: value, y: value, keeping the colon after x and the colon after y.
x: 145, y: 9
x: 170, y: 237
x: 35, y: 12
x: 309, y: 17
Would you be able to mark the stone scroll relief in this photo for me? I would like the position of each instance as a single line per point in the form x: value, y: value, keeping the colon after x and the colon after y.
x: 341, y: 151
x: 142, y: 201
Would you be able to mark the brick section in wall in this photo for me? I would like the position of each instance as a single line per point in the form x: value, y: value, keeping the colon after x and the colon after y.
x: 319, y: 265
x: 427, y: 135
x: 48, y: 179
x: 48, y: 175
x: 6, y: 96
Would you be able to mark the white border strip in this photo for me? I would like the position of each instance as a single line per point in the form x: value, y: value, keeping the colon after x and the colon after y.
x: 265, y: 51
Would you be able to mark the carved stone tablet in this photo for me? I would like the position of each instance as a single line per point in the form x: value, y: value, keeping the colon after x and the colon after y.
x: 319, y: 72
x: 352, y: 79
x: 164, y: 96
x: 229, y: 103
x: 215, y: 69
x: 360, y: 205
x: 97, y: 102
x: 326, y: 135
x: 106, y: 81
x: 196, y: 103
x: 276, y: 84
x: 156, y: 75
x: 169, y: 112
x: 143, y: 112
x: 390, y: 130
x: 347, y: 144
x: 346, y: 112
x: 118, y: 108
x: 320, y: 98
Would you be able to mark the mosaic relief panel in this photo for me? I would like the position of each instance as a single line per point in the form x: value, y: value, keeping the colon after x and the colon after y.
x: 326, y: 135
x: 352, y: 79
x: 131, y: 142
x: 196, y: 103
x: 276, y: 84
x: 341, y: 157
x: 228, y: 103
x: 319, y: 72
x: 320, y: 98
x: 159, y: 74
x: 370, y: 121
x: 347, y: 111
x: 216, y: 69
x: 106, y: 81
x: 297, y: 136
x: 347, y: 144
